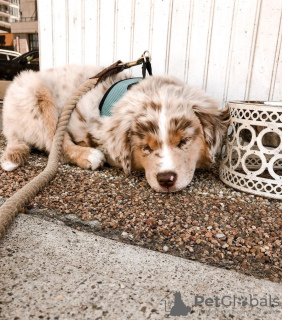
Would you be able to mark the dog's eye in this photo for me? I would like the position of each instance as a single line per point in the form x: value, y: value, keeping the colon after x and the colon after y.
x: 182, y: 142
x: 146, y: 148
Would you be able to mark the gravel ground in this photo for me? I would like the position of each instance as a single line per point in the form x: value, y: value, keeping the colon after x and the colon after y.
x: 207, y: 222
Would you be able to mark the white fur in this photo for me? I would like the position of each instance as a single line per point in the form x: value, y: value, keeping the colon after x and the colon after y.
x: 167, y: 158
x: 96, y: 159
x: 9, y: 166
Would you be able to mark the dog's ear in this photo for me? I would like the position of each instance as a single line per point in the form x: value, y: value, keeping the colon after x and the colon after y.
x: 214, y: 123
x: 117, y: 137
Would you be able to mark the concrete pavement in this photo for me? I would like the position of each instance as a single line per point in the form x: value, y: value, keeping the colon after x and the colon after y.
x: 51, y: 271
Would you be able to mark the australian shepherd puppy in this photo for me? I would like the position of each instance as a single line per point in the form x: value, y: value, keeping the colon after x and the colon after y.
x: 160, y: 125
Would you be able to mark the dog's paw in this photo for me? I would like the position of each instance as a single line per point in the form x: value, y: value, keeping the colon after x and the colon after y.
x: 9, y: 166
x: 96, y: 159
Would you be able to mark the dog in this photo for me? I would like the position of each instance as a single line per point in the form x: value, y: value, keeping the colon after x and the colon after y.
x: 160, y: 125
x: 179, y: 308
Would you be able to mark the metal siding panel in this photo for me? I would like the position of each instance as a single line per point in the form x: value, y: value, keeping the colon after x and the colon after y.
x: 199, y: 42
x: 265, y: 50
x: 106, y: 36
x: 91, y: 12
x: 159, y: 34
x: 244, y: 38
x: 60, y: 38
x: 46, y: 33
x: 141, y: 32
x: 181, y: 17
x: 277, y: 91
x: 276, y: 79
x: 277, y: 87
x: 75, y: 24
x: 123, y: 30
x: 231, y: 48
x: 219, y: 48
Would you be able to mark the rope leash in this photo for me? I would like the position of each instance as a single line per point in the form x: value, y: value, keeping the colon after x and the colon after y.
x: 21, y: 198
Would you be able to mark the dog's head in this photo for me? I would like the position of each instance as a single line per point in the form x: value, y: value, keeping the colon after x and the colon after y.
x: 166, y: 128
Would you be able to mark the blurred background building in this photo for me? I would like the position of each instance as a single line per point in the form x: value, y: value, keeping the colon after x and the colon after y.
x: 18, y: 25
x: 9, y: 12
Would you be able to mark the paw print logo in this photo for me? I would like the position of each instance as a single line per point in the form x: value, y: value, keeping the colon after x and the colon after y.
x: 242, y: 301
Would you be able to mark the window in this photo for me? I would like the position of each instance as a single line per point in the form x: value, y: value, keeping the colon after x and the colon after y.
x: 33, y: 41
x: 14, y: 11
x: 33, y: 58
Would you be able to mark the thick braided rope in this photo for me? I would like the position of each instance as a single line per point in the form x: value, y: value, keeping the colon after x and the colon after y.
x: 22, y: 197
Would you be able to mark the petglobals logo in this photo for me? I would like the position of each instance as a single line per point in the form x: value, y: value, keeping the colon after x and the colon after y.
x: 234, y: 301
x: 175, y: 306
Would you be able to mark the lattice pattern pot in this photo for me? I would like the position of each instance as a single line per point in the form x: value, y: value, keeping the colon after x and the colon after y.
x: 251, y: 158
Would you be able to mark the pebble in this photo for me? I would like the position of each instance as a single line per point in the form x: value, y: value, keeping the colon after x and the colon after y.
x: 207, y: 221
x: 93, y: 224
x: 221, y: 236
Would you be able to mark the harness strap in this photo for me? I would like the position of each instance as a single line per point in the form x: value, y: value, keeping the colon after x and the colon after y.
x: 115, y: 93
x: 113, y: 69
x: 119, y: 66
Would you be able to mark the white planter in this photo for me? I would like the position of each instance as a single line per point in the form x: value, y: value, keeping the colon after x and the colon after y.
x: 251, y: 158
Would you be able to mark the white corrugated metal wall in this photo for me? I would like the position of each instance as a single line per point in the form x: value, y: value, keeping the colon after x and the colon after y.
x: 231, y: 48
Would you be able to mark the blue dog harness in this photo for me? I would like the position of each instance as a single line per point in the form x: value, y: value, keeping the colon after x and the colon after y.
x: 118, y: 90
x: 114, y: 93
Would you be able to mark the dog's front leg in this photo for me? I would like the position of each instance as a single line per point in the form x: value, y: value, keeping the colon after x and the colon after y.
x: 84, y: 157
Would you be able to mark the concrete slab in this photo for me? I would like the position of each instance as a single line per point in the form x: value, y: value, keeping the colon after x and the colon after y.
x: 50, y: 271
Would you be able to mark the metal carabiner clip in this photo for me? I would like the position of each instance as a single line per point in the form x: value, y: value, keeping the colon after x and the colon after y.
x: 145, y: 60
x: 146, y: 55
x: 146, y: 64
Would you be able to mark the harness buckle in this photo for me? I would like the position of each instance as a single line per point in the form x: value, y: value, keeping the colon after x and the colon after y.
x: 143, y: 59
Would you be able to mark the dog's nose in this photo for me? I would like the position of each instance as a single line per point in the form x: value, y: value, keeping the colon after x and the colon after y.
x: 166, y: 179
